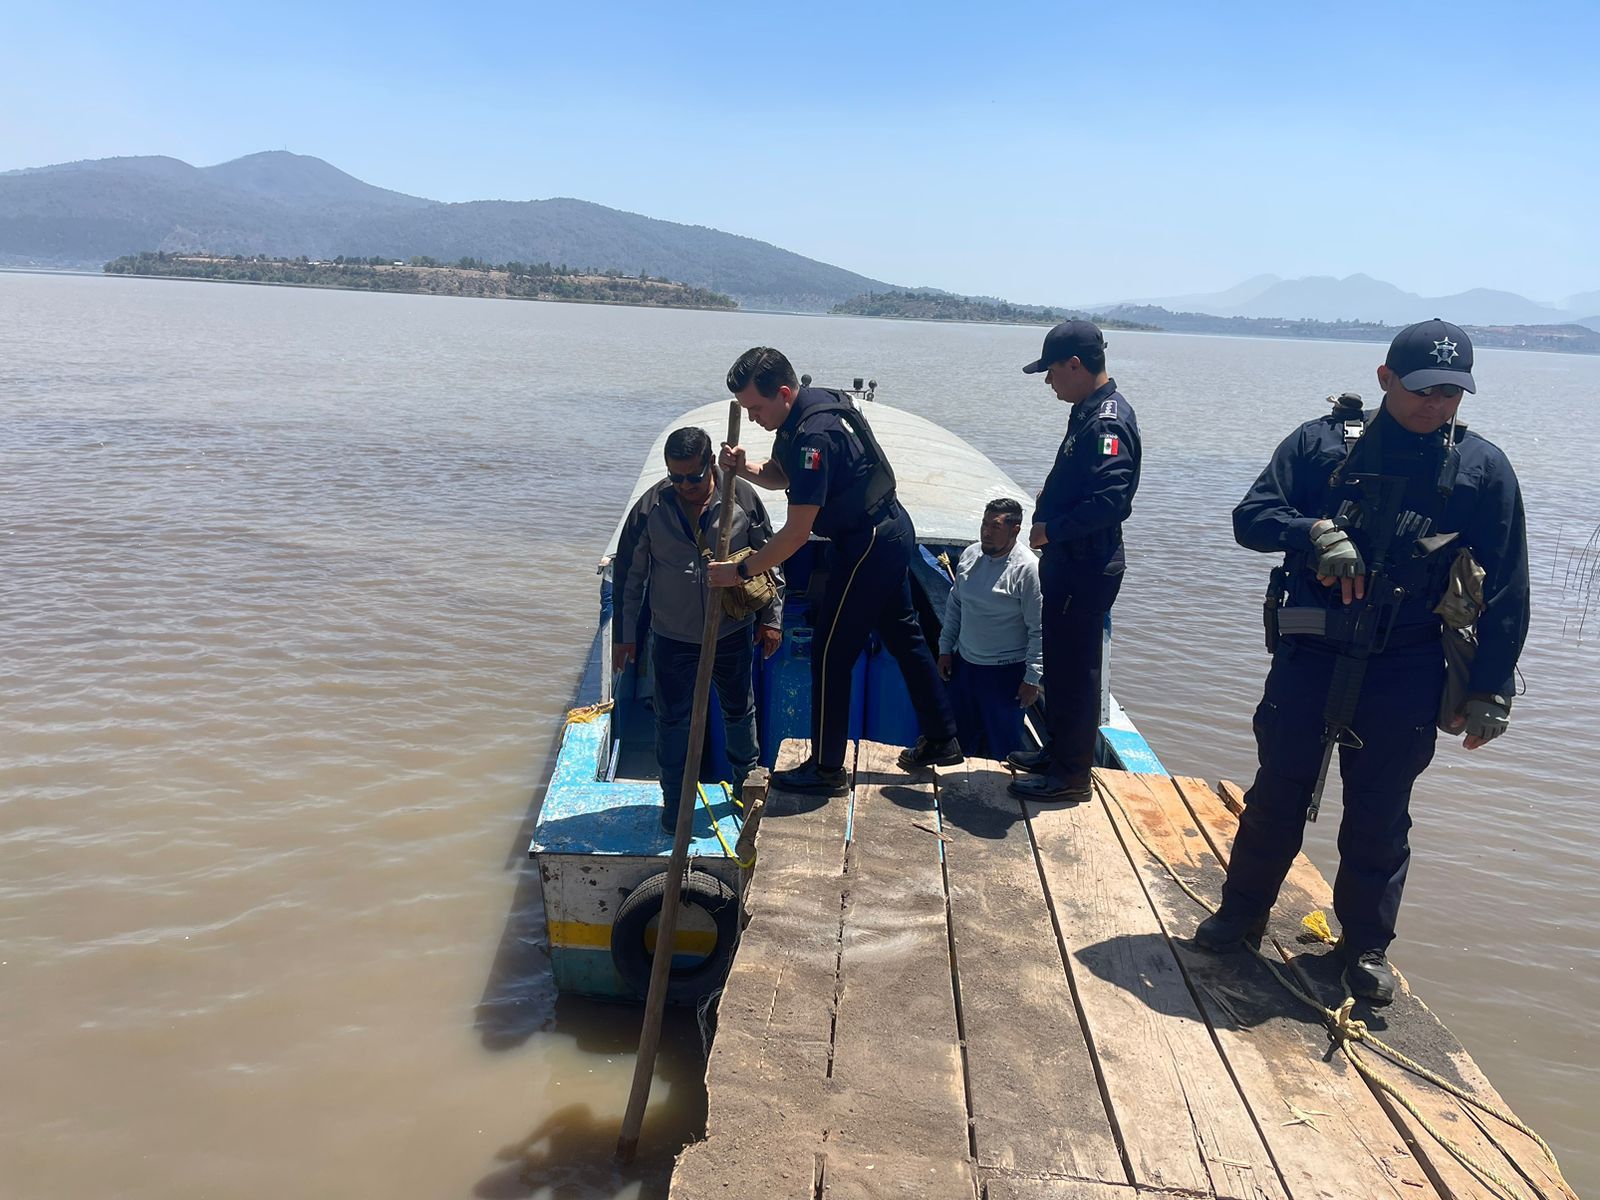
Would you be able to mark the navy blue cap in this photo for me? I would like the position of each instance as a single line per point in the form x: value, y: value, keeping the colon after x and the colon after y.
x: 1065, y: 341
x: 1430, y: 353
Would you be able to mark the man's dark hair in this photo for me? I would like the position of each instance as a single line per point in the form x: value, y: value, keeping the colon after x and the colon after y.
x: 689, y: 442
x: 1093, y: 360
x: 1006, y: 507
x: 767, y: 368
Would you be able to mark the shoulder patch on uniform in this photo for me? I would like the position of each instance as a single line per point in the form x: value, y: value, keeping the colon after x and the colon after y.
x: 811, y: 459
x: 1109, y: 443
x: 1108, y: 408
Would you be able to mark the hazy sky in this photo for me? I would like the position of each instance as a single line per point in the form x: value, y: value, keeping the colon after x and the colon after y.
x: 1048, y: 153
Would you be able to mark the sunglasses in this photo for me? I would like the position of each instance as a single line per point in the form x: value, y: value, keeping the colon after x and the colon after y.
x: 1448, y: 390
x: 693, y: 479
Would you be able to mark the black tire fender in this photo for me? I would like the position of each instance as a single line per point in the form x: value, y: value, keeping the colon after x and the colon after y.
x: 685, y: 985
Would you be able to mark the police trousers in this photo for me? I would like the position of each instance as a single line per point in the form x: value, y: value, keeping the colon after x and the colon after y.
x: 869, y: 590
x: 1395, y: 722
x: 1075, y: 607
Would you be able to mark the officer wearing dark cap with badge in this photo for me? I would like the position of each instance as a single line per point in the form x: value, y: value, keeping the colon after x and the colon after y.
x: 841, y: 487
x: 1077, y: 528
x: 1372, y: 511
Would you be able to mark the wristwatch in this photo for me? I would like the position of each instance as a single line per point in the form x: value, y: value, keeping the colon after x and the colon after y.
x: 741, y: 569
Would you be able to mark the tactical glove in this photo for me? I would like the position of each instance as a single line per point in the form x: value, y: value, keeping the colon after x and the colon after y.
x: 1336, y: 554
x: 1487, y: 717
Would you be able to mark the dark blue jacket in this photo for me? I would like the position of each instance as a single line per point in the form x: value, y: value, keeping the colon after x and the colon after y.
x: 1485, y: 507
x: 1089, y: 493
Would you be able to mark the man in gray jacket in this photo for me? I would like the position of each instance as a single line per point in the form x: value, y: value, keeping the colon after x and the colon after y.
x: 669, y: 559
x: 990, y: 648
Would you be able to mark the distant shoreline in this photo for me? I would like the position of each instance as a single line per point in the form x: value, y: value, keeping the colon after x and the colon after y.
x: 1374, y: 338
x: 333, y: 287
x: 468, y: 277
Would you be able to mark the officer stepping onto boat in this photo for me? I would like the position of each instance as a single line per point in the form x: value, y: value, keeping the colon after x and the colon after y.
x: 1077, y: 528
x: 840, y: 486
x: 1400, y: 531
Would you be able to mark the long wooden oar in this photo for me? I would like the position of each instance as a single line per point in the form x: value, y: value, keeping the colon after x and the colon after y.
x: 666, y: 930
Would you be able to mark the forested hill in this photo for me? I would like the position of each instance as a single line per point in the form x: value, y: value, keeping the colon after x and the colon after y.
x: 928, y: 305
x: 468, y: 277
x: 286, y: 205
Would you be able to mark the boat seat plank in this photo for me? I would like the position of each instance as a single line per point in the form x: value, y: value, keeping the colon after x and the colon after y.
x: 1181, y: 1119
x: 1036, y: 1107
x: 1327, y: 1135
x: 1407, y: 1024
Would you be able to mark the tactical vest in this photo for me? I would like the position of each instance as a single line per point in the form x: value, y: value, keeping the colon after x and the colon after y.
x: 866, y: 500
x: 1420, y: 552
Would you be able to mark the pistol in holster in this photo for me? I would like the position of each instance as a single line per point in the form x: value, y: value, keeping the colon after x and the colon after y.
x: 1271, y: 603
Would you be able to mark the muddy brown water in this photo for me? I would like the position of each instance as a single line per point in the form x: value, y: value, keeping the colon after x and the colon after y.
x: 295, y: 586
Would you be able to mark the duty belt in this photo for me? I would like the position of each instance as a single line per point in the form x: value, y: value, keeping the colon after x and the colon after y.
x: 1307, y: 621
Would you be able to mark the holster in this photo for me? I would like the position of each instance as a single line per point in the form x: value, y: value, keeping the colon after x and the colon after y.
x: 1272, y: 604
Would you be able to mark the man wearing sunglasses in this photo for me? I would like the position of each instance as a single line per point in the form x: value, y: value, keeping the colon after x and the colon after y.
x: 669, y: 561
x: 1315, y: 504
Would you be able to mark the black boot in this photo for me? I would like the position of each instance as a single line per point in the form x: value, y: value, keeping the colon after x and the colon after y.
x: 1369, y: 976
x: 812, y: 779
x: 1229, y: 928
x: 946, y: 752
x: 1050, y: 788
x: 1036, y: 762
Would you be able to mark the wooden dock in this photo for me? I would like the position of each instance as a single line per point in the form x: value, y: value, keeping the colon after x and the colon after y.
x: 1023, y: 1016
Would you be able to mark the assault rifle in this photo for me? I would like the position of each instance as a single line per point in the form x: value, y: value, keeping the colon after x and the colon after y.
x: 1377, y: 512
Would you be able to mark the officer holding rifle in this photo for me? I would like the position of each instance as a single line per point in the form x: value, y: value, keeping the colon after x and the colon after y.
x: 1373, y: 512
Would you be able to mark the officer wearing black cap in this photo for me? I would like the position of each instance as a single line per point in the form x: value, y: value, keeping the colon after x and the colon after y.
x: 1077, y: 528
x: 1363, y: 506
x: 841, y: 487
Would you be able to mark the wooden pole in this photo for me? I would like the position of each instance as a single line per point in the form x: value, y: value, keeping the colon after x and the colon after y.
x: 666, y: 930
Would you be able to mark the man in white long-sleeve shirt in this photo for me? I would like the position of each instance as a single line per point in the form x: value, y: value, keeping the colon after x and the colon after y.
x: 990, y: 648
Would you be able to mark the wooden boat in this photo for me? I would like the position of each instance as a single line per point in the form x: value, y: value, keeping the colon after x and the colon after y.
x: 598, y: 842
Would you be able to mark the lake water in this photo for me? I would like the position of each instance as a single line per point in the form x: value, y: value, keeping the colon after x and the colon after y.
x: 295, y: 586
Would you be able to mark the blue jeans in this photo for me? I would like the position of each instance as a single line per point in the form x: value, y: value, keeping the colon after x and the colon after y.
x: 988, y: 719
x: 675, y: 664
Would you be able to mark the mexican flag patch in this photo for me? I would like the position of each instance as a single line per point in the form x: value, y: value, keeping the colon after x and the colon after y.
x: 812, y: 459
x: 1108, y: 444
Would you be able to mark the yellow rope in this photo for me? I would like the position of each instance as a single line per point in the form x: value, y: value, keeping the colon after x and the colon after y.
x: 716, y: 828
x: 1346, y: 1031
x: 589, y: 712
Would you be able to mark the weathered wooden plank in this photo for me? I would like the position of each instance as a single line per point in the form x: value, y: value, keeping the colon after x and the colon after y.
x: 775, y: 1015
x: 899, y: 1120
x: 1231, y: 794
x: 1181, y: 1119
x: 1022, y: 1187
x: 1036, y: 1106
x: 1407, y: 1024
x: 744, y: 1166
x: 1326, y: 1134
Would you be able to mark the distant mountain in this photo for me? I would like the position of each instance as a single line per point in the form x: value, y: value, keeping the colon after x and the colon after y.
x: 1201, y: 302
x: 1363, y: 298
x: 84, y: 214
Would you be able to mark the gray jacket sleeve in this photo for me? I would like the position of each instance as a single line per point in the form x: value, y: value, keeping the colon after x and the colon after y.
x: 950, y: 631
x: 1032, y: 598
x: 633, y: 593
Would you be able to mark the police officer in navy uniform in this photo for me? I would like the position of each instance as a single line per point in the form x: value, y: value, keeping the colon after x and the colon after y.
x: 1307, y: 505
x: 1077, y: 528
x: 841, y: 487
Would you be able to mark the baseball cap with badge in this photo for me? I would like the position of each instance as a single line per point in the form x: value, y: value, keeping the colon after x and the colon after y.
x: 1064, y: 342
x: 1430, y: 353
